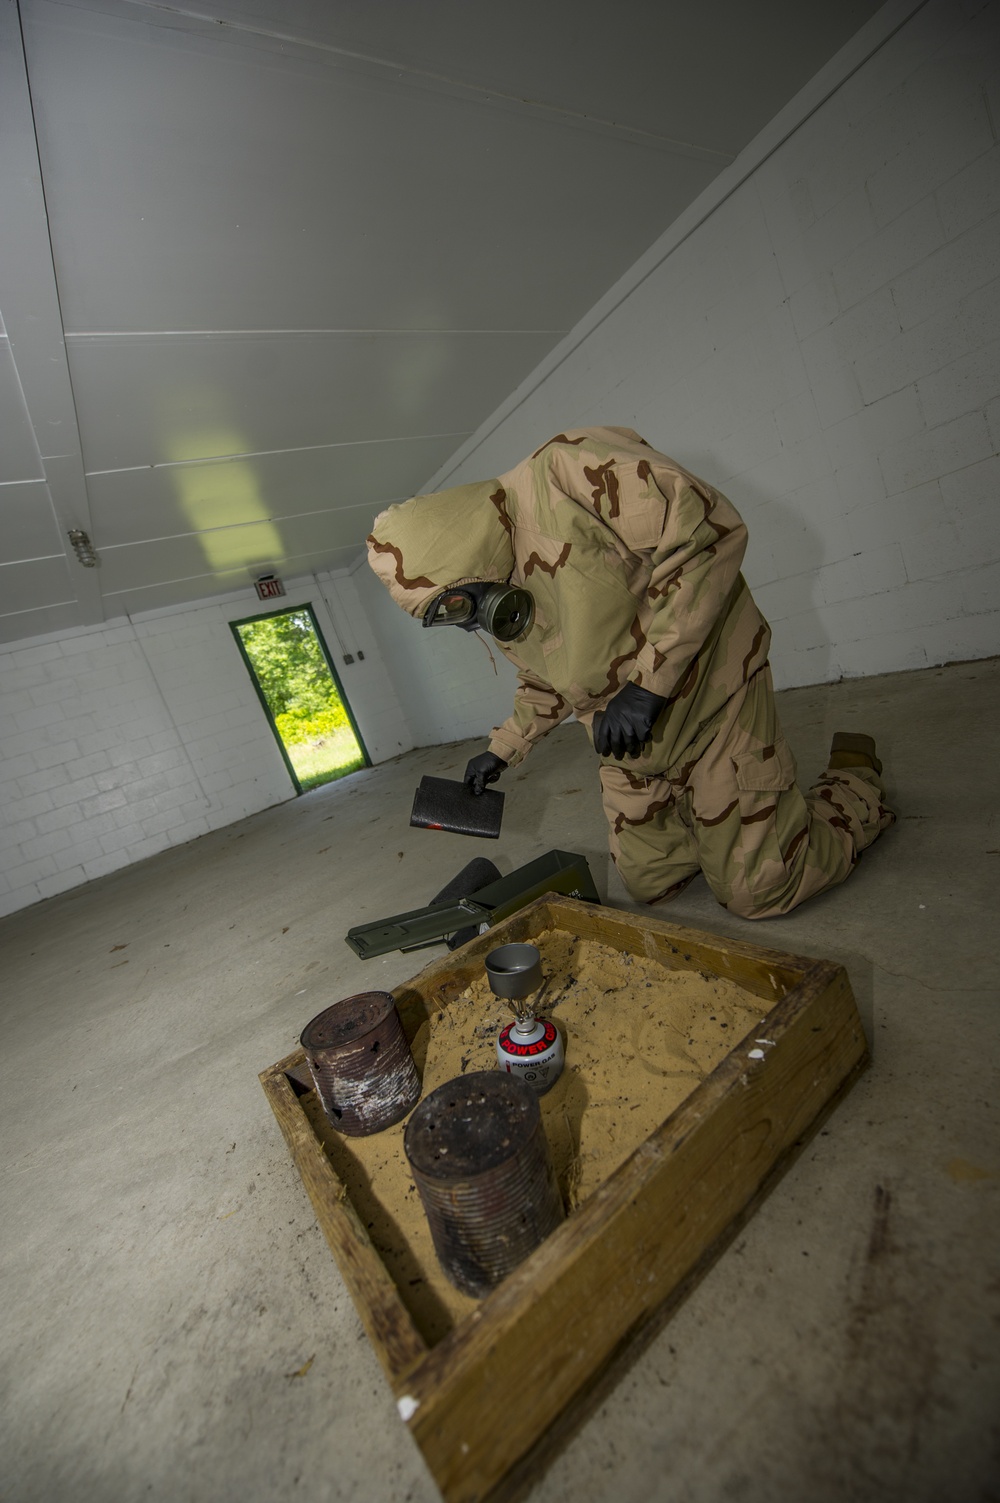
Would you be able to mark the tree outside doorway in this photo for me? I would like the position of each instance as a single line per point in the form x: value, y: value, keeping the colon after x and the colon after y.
x: 300, y: 691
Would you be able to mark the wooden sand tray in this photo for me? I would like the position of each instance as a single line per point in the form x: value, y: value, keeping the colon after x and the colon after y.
x: 487, y: 1388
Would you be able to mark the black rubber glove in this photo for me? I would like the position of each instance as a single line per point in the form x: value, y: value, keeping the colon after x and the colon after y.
x: 621, y: 729
x: 486, y: 768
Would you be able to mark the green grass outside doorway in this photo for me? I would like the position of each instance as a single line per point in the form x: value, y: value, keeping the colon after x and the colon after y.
x: 326, y: 759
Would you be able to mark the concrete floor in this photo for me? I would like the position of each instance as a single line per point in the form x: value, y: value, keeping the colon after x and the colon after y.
x: 174, y: 1325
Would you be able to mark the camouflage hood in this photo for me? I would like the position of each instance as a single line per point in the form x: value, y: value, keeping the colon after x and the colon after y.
x: 426, y: 544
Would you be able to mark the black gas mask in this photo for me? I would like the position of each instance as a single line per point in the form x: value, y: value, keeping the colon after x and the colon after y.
x: 505, y: 611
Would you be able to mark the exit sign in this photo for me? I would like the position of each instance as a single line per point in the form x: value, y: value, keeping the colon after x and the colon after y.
x: 269, y: 588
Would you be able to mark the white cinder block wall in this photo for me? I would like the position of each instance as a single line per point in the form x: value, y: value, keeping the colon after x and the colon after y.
x: 121, y: 740
x: 818, y: 336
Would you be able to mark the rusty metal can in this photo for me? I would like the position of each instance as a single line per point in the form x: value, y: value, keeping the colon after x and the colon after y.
x: 361, y: 1064
x: 480, y: 1160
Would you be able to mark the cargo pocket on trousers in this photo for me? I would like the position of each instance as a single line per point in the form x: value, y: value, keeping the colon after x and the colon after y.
x: 762, y: 776
x: 769, y: 770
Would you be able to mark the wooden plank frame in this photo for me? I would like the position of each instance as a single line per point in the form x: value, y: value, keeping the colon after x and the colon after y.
x: 487, y: 1403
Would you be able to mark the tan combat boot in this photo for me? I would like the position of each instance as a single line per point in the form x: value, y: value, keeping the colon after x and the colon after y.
x: 849, y: 749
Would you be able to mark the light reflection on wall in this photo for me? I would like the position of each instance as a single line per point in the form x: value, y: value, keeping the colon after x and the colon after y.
x: 221, y: 501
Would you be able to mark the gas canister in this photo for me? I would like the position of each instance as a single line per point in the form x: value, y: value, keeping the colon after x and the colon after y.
x: 532, y: 1049
x: 529, y: 1047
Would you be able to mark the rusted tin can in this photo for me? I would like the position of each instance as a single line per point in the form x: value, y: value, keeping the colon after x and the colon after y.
x: 481, y: 1163
x: 361, y: 1064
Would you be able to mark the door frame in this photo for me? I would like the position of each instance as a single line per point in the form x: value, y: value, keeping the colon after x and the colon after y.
x: 291, y: 610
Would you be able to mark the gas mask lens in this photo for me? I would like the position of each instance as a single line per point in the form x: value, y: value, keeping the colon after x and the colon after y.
x: 453, y: 608
x: 505, y: 611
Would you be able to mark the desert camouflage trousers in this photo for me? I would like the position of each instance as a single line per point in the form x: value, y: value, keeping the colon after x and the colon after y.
x: 736, y: 814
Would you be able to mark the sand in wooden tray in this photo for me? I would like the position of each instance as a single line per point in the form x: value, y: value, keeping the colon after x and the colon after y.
x: 639, y: 1038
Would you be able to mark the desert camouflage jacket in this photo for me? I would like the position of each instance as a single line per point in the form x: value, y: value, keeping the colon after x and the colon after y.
x: 634, y: 567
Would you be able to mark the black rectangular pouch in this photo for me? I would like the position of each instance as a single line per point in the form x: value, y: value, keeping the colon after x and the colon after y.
x: 443, y: 804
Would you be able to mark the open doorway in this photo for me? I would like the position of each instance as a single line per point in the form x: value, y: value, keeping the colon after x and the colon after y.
x: 301, y: 695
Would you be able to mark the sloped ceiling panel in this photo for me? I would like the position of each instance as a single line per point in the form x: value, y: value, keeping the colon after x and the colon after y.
x: 212, y: 184
x: 234, y: 492
x: 182, y: 397
x: 303, y: 250
x: 19, y: 459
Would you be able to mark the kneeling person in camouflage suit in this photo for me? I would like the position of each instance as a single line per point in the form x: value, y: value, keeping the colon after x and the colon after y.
x: 610, y: 577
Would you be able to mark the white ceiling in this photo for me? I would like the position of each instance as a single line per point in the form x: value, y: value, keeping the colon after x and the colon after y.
x: 266, y: 264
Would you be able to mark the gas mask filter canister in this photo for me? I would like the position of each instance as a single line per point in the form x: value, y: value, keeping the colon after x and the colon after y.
x: 505, y: 611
